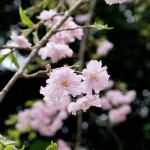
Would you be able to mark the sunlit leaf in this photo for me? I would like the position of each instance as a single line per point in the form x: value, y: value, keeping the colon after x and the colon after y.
x: 26, y: 32
x: 6, y: 142
x: 53, y: 146
x: 24, y: 18
x: 23, y: 148
x: 4, y: 56
x: 9, y: 147
x: 14, y: 60
x: 98, y: 26
x: 35, y: 37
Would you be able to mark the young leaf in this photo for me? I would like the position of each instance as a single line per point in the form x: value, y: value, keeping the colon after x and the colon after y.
x: 98, y: 26
x: 35, y: 37
x: 9, y: 147
x: 24, y: 18
x: 4, y: 56
x: 26, y: 32
x: 14, y: 60
x: 53, y: 146
x: 6, y: 142
x: 23, y: 148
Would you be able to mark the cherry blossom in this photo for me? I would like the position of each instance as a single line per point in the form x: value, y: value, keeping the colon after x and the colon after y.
x: 55, y: 51
x: 84, y: 103
x: 95, y: 77
x: 63, y: 81
x: 45, y: 118
x: 20, y: 40
x: 57, y: 47
x: 82, y: 18
x: 104, y: 47
x: 117, y: 103
x: 119, y: 115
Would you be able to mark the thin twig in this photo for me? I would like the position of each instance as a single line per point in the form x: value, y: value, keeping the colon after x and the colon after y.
x: 41, y: 73
x: 37, y: 47
x: 78, y: 27
x: 81, y: 60
x: 15, y: 48
x: 115, y: 136
x: 36, y: 8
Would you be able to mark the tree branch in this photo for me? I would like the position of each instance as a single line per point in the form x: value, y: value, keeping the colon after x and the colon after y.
x: 15, y: 48
x: 37, y: 47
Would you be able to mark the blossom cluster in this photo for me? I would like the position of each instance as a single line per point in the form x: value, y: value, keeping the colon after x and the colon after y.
x: 104, y: 47
x: 117, y: 103
x: 20, y: 40
x: 45, y: 118
x: 57, y: 47
x: 65, y: 81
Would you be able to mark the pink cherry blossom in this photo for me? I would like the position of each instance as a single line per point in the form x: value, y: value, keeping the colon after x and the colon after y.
x: 110, y: 85
x: 74, y: 107
x: 104, y: 48
x: 55, y: 51
x: 45, y: 118
x: 106, y: 105
x: 119, y: 115
x: 63, y: 36
x: 88, y: 101
x: 24, y: 121
x: 20, y: 40
x: 116, y: 97
x: 95, y: 77
x: 46, y: 15
x: 67, y: 36
x: 110, y: 2
x: 84, y: 103
x: 63, y: 81
x: 82, y: 18
x: 62, y: 145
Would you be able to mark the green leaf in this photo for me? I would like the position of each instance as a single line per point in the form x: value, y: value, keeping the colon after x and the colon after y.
x: 6, y: 142
x: 23, y: 147
x: 24, y: 18
x: 9, y: 147
x: 4, y: 56
x: 14, y: 133
x: 53, y: 146
x: 45, y: 4
x: 26, y: 32
x: 98, y: 26
x: 32, y: 135
x: 35, y: 37
x: 14, y: 60
x: 12, y: 119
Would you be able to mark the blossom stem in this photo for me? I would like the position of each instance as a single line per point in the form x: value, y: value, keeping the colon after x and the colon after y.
x: 115, y: 136
x: 81, y: 60
x: 78, y: 27
x: 37, y: 47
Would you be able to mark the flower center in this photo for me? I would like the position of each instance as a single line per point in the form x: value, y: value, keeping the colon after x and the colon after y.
x: 94, y: 77
x: 64, y: 84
